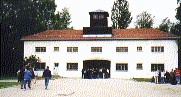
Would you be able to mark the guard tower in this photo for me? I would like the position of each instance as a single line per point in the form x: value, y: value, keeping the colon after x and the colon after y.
x: 98, y: 24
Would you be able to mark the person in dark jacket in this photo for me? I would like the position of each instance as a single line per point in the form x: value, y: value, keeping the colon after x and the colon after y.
x: 47, y: 75
x: 27, y: 77
x: 21, y: 77
x: 33, y: 76
x: 167, y: 75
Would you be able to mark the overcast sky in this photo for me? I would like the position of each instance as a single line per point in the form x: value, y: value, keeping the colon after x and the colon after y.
x: 79, y: 10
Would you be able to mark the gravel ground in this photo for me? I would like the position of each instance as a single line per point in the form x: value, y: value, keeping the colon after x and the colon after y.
x: 72, y: 87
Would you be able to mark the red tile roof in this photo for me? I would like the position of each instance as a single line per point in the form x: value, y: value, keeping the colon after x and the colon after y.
x: 149, y: 34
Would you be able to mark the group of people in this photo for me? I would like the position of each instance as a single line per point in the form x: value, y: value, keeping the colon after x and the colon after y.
x: 28, y: 76
x: 172, y: 77
x: 95, y: 73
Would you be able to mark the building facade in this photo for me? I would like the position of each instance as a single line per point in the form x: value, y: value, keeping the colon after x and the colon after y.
x: 125, y: 53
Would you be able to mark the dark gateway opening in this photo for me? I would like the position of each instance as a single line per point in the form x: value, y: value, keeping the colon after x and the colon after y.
x: 93, y: 69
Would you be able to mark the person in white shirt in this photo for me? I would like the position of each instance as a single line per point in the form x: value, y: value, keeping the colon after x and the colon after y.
x: 163, y: 76
x: 156, y: 77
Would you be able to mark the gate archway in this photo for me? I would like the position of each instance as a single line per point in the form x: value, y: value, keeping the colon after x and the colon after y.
x: 99, y: 64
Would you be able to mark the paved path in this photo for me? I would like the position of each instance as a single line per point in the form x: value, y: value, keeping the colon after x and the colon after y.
x: 94, y: 88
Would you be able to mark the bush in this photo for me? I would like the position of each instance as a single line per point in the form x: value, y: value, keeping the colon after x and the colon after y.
x: 142, y: 79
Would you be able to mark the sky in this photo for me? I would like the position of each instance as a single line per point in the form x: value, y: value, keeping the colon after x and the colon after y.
x: 79, y: 10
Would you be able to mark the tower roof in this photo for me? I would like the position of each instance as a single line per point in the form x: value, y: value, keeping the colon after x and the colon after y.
x: 99, y: 10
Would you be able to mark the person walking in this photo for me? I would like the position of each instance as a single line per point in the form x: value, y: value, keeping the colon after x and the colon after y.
x: 167, y: 75
x: 21, y: 77
x: 159, y: 76
x: 156, y: 77
x: 36, y: 75
x: 32, y: 76
x: 27, y: 77
x: 84, y: 72
x: 90, y: 74
x: 47, y: 75
x: 162, y: 76
x: 172, y: 78
x: 100, y: 73
x: 177, y: 75
x: 83, y: 76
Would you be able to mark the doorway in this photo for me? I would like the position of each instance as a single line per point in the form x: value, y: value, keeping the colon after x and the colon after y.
x: 100, y: 65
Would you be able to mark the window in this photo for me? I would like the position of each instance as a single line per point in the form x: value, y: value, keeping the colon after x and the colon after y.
x: 56, y: 64
x: 101, y: 16
x: 157, y: 49
x: 122, y: 67
x: 96, y: 49
x: 56, y: 48
x: 139, y: 48
x: 40, y: 66
x: 139, y: 66
x: 155, y: 67
x: 40, y: 49
x: 98, y: 16
x: 95, y: 16
x: 121, y: 49
x: 72, y: 66
x: 72, y: 49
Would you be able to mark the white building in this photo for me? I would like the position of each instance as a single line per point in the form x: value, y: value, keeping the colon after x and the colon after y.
x: 126, y: 53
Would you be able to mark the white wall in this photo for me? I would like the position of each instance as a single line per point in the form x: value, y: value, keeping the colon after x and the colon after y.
x: 169, y: 57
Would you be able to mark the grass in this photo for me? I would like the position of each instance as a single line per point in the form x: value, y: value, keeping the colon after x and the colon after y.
x: 8, y: 78
x: 56, y: 76
x: 8, y: 84
x: 142, y: 79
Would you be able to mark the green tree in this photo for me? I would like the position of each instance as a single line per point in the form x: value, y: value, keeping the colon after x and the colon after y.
x: 176, y: 29
x: 144, y: 20
x: 21, y: 18
x: 178, y: 14
x: 65, y: 17
x: 120, y: 15
x: 32, y: 61
x: 165, y: 25
x: 61, y: 20
x: 178, y: 1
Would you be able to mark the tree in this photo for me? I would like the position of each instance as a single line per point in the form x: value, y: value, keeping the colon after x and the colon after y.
x: 165, y: 25
x: 178, y: 1
x: 120, y: 15
x: 31, y: 61
x: 176, y: 29
x: 178, y: 14
x: 21, y: 18
x: 144, y: 20
x: 61, y: 20
x: 65, y: 16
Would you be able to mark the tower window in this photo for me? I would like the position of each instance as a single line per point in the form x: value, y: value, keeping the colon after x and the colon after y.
x: 101, y: 16
x: 95, y: 16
